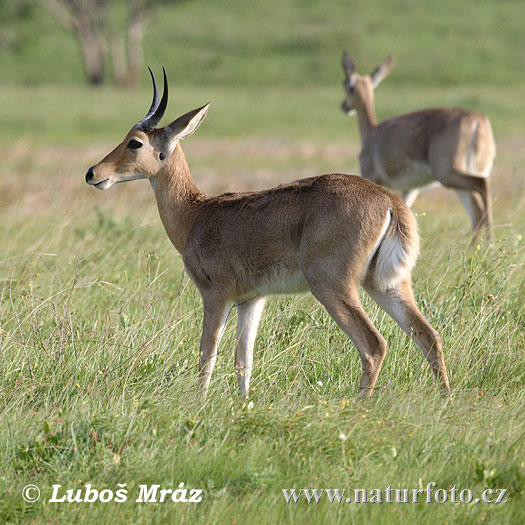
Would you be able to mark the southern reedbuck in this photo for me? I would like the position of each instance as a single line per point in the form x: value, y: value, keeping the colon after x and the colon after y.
x: 453, y: 146
x: 325, y: 234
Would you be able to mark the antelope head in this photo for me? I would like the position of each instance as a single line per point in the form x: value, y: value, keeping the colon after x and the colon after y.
x: 145, y: 149
x: 359, y: 89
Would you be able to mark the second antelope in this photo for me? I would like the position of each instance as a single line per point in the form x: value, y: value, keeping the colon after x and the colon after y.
x: 326, y: 234
x: 453, y: 146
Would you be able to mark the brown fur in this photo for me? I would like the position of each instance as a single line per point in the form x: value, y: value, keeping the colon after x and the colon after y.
x: 319, y: 233
x: 454, y: 145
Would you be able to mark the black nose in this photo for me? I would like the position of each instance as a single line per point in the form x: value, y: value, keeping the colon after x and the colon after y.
x: 89, y: 175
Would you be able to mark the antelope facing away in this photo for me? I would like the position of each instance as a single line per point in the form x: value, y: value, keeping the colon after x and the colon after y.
x: 325, y: 234
x: 453, y: 146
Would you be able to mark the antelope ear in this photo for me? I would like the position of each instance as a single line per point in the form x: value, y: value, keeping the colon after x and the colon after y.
x: 348, y: 64
x: 185, y: 125
x: 382, y: 70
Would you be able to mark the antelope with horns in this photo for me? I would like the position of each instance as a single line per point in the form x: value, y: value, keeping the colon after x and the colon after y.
x: 326, y: 234
x: 453, y: 146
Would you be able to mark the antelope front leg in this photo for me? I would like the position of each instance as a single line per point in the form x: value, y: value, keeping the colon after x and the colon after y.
x: 487, y: 197
x: 248, y: 314
x: 410, y: 196
x: 215, y: 317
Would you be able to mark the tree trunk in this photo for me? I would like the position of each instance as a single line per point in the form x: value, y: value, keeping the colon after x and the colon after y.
x: 93, y: 55
x: 76, y: 17
x: 136, y: 32
x: 118, y: 59
x: 99, y: 39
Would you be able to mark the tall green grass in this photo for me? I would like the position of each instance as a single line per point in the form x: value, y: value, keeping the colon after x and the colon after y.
x: 100, y: 329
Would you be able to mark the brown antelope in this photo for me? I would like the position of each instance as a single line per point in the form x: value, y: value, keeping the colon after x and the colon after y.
x: 453, y: 146
x: 325, y: 234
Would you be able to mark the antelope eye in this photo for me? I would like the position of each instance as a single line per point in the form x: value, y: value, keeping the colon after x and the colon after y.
x: 134, y: 144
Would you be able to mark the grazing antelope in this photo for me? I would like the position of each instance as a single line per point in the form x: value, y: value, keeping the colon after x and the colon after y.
x: 325, y: 234
x: 453, y: 146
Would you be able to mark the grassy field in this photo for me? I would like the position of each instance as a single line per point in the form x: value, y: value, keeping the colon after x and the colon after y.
x: 99, y: 325
x: 269, y: 43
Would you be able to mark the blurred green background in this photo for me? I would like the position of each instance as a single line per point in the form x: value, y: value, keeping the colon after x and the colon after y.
x: 291, y: 42
x: 270, y: 68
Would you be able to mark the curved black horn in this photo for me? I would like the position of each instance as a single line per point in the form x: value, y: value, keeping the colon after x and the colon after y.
x: 156, y: 110
x: 155, y: 102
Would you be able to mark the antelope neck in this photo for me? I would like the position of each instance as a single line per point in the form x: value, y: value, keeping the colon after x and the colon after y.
x: 177, y: 198
x: 366, y: 117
